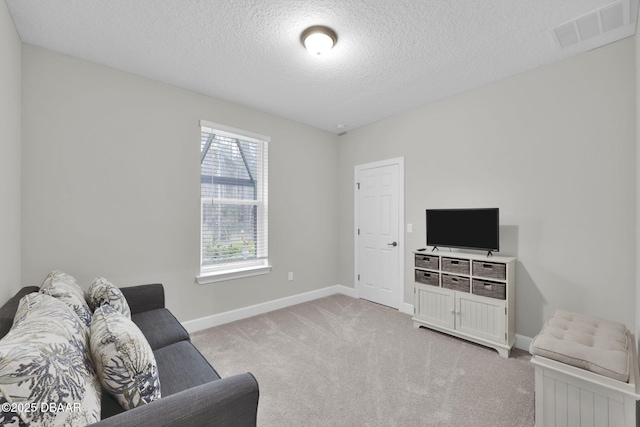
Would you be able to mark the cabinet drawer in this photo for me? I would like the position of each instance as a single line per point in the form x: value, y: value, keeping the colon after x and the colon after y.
x: 489, y: 289
x: 490, y: 270
x: 427, y: 261
x: 455, y: 265
x: 455, y: 283
x: 428, y: 277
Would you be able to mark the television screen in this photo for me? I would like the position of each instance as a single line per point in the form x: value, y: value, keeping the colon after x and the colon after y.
x: 464, y: 228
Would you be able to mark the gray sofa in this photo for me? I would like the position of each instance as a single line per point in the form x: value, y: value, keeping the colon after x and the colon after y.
x: 193, y: 394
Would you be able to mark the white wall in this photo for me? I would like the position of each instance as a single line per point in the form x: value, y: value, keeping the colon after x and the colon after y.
x: 554, y: 149
x: 110, y: 181
x: 637, y: 93
x: 10, y: 54
x: 111, y: 186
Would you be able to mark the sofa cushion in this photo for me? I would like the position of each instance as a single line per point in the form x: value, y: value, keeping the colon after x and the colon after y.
x: 181, y: 366
x: 144, y: 297
x: 65, y: 288
x: 102, y: 291
x: 45, y: 363
x: 109, y: 405
x: 123, y: 358
x: 160, y: 327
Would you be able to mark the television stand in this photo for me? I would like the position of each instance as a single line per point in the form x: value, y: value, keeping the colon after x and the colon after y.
x: 469, y: 296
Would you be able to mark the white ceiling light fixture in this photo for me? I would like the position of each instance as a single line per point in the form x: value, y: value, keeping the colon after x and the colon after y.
x: 319, y: 39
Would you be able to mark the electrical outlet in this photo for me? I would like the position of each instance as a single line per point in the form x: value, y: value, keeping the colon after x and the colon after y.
x: 291, y: 275
x: 409, y: 228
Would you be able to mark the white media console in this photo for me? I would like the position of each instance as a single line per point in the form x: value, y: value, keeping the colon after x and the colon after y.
x: 468, y: 296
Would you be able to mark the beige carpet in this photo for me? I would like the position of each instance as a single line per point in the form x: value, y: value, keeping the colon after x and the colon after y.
x: 339, y: 361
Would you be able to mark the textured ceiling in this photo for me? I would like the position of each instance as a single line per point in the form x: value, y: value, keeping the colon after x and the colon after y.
x: 391, y: 55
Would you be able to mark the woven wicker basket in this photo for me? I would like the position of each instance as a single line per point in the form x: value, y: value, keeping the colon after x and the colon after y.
x: 427, y: 261
x: 490, y: 270
x: 428, y: 277
x: 455, y: 265
x: 489, y: 289
x: 456, y: 283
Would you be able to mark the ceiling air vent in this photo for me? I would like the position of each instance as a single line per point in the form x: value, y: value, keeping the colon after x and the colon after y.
x: 594, y: 24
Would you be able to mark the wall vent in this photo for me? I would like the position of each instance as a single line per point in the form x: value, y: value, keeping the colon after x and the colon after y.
x: 595, y: 24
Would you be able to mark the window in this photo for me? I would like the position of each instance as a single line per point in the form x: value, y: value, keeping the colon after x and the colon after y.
x: 233, y: 203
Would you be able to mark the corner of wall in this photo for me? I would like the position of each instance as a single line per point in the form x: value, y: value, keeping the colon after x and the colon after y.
x: 10, y: 154
x: 637, y: 63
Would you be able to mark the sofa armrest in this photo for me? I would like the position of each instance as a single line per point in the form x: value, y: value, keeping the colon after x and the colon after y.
x: 144, y: 297
x: 8, y: 310
x: 231, y: 401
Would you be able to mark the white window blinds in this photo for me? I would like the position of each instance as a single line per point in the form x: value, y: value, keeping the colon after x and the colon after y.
x: 233, y: 193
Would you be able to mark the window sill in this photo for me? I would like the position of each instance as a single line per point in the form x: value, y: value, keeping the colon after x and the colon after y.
x: 230, y: 274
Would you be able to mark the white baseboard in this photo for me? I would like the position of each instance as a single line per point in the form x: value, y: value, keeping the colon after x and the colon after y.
x: 523, y: 342
x: 254, y: 310
x: 407, y: 308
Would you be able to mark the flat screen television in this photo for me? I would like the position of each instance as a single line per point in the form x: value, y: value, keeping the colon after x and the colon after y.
x: 464, y: 228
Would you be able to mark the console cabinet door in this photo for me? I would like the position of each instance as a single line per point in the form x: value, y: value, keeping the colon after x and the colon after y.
x: 435, y: 305
x: 481, y: 316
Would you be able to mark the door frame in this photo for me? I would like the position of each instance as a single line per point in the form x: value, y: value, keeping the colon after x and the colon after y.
x: 399, y: 161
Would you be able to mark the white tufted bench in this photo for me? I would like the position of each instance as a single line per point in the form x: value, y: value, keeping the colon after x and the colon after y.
x: 586, y: 372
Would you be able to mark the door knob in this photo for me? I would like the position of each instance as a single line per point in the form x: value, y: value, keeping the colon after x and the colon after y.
x: 394, y: 244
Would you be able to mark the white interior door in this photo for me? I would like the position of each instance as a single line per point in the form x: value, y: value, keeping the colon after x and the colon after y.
x: 378, y: 233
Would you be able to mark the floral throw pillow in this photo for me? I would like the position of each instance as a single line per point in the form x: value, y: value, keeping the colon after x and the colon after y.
x: 65, y: 288
x: 123, y: 358
x: 46, y: 375
x: 102, y: 291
